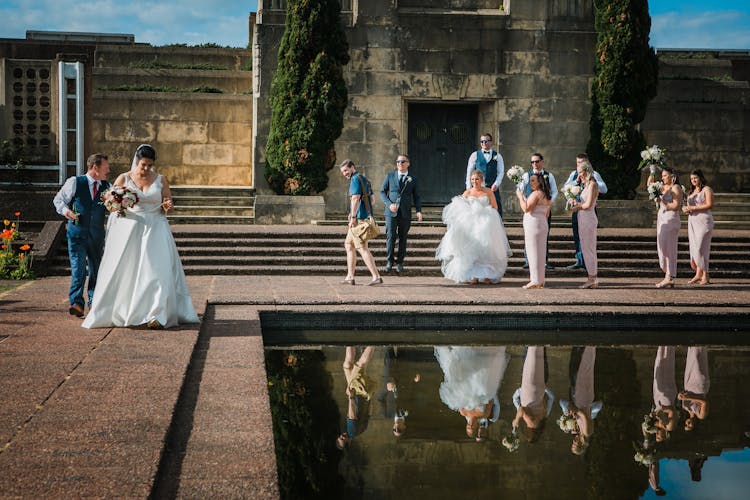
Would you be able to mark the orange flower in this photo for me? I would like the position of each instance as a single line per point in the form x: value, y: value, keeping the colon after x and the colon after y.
x: 18, y: 214
x: 21, y: 256
x: 7, y: 234
x: 3, y: 247
x: 6, y: 222
x: 25, y: 247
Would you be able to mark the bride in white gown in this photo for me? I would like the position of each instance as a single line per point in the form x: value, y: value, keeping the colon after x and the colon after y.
x: 141, y: 280
x: 475, y: 246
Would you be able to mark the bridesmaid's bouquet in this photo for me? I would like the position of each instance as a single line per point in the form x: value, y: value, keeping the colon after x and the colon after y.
x: 571, y: 192
x: 567, y: 423
x: 511, y: 442
x: 654, y: 190
x: 117, y: 199
x: 515, y: 173
x: 652, y: 158
x: 644, y: 455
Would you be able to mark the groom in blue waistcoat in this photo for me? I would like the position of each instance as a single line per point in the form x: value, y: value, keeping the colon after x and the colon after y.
x: 398, y: 192
x: 491, y: 164
x: 79, y: 201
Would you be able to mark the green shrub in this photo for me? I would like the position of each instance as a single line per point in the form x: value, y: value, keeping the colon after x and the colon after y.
x: 308, y: 98
x: 625, y: 80
x: 156, y: 64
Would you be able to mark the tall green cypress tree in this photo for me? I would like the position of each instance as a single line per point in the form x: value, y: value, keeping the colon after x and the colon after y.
x: 308, y: 98
x: 625, y: 81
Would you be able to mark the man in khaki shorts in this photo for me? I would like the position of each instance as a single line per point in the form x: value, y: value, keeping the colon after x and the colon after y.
x: 357, y: 213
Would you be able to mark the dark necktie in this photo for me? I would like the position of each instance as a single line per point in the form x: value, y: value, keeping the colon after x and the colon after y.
x: 401, y: 181
x: 96, y: 189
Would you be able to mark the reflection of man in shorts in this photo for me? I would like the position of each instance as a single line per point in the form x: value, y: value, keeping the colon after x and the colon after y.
x: 358, y: 387
x: 359, y: 187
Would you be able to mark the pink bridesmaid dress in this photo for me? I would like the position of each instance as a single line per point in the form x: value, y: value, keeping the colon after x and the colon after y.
x: 587, y: 222
x: 665, y: 386
x: 700, y: 229
x: 667, y: 231
x: 535, y: 237
x: 532, y: 378
x: 696, y: 379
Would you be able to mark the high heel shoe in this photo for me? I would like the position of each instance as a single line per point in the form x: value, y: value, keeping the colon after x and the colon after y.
x: 590, y: 284
x: 528, y: 286
x: 666, y: 282
x: 347, y: 281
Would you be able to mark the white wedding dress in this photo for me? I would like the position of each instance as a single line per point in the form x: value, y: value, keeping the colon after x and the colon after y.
x: 472, y: 375
x: 475, y: 244
x: 141, y: 277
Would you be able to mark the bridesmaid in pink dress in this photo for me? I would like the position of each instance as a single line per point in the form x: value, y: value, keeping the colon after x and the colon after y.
x: 664, y: 392
x: 587, y: 221
x: 700, y: 200
x: 696, y: 383
x: 668, y: 225
x: 535, y: 210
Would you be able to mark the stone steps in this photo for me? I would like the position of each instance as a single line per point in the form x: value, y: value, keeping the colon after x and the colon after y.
x: 312, y: 250
x: 212, y: 205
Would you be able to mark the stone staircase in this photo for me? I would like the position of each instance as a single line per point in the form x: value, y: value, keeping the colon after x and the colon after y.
x: 212, y: 205
x: 318, y: 250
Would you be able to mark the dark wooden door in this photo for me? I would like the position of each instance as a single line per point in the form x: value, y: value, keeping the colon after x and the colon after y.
x: 441, y: 138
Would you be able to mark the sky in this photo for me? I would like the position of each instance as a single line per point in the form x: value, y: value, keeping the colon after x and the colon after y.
x: 715, y: 24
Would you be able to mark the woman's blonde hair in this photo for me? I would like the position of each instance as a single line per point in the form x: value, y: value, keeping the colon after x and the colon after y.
x: 586, y: 167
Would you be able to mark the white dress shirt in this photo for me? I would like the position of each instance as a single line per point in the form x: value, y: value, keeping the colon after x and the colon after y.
x: 550, y: 178
x: 472, y: 165
x: 598, y: 178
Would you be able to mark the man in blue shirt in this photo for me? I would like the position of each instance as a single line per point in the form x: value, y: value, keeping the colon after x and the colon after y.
x: 360, y: 197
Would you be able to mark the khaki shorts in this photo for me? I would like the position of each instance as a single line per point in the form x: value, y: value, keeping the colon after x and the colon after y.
x: 355, y: 239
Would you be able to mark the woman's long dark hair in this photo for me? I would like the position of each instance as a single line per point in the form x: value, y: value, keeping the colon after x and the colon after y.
x: 543, y: 184
x: 702, y: 180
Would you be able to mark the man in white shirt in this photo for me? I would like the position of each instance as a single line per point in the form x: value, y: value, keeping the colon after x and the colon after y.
x: 537, y: 167
x: 490, y: 163
x: 573, y: 180
x: 79, y: 201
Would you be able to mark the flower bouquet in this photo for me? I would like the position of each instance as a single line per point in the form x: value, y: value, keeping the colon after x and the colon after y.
x: 652, y: 157
x: 511, y: 442
x: 571, y: 192
x: 644, y: 455
x: 654, y: 191
x: 649, y: 424
x: 117, y: 199
x: 515, y: 173
x: 567, y: 423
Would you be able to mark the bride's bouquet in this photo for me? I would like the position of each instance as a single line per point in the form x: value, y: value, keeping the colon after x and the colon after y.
x: 117, y: 199
x: 653, y: 157
x: 515, y: 173
x: 571, y: 191
x: 511, y: 442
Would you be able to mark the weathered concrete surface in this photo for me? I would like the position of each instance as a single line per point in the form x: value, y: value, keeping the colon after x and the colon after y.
x: 87, y: 412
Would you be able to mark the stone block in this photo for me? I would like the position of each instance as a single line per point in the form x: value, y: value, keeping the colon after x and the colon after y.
x: 233, y: 133
x: 381, y: 131
x: 625, y: 213
x: 207, y: 154
x: 533, y: 62
x: 425, y: 61
x: 377, y: 107
x: 278, y: 209
x: 354, y: 130
x: 356, y: 82
x: 214, y: 175
x: 129, y: 130
x: 372, y: 58
x: 182, y: 131
x: 484, y: 86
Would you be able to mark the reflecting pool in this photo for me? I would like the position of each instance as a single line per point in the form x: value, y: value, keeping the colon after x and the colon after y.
x: 464, y: 422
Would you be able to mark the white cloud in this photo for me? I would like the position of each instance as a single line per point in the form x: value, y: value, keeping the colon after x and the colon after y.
x: 704, y: 30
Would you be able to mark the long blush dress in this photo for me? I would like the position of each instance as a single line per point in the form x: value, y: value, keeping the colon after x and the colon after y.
x: 696, y: 380
x: 700, y: 229
x: 587, y: 222
x: 535, y: 239
x: 141, y: 277
x: 667, y: 231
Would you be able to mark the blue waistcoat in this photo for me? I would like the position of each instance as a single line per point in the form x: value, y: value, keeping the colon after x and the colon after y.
x: 90, y: 212
x: 488, y: 168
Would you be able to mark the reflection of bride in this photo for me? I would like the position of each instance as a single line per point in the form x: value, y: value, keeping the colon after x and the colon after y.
x: 141, y: 280
x: 475, y: 246
x: 472, y: 376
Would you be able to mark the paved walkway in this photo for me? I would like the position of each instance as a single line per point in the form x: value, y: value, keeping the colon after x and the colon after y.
x: 88, y: 412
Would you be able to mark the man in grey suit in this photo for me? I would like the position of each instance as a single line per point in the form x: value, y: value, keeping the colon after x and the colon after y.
x: 399, y: 192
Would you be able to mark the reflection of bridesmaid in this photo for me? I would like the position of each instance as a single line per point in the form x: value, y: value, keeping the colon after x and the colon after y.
x: 581, y: 405
x: 472, y: 376
x: 696, y: 385
x: 533, y: 400
x: 665, y: 392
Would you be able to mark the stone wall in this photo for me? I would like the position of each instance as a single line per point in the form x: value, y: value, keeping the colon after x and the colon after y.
x: 527, y: 67
x: 702, y: 116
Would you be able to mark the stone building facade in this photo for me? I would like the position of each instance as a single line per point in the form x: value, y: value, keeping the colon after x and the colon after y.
x: 428, y: 77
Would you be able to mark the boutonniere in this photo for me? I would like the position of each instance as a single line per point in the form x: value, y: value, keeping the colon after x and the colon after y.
x: 408, y: 178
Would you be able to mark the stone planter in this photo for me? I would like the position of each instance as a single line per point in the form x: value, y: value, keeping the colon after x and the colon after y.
x: 281, y: 209
x: 625, y: 213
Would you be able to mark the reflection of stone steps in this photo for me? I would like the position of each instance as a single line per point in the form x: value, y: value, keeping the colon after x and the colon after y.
x: 212, y: 205
x: 318, y: 250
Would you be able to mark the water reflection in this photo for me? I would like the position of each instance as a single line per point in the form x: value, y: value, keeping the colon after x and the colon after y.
x: 468, y: 406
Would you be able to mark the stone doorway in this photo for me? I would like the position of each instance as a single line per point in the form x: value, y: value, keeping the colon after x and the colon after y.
x: 441, y: 138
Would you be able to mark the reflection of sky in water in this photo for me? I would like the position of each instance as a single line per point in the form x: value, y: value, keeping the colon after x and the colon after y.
x: 725, y: 477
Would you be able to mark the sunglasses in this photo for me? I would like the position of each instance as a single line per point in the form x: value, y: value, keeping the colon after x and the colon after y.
x: 536, y: 161
x: 485, y: 140
x: 402, y: 161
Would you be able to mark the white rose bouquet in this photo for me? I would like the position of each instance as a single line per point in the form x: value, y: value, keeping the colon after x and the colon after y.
x: 511, y: 442
x: 117, y: 199
x: 571, y: 192
x: 567, y: 423
x: 653, y: 157
x: 515, y: 173
x: 654, y: 190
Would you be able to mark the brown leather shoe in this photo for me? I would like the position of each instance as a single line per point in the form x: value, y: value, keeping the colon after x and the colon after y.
x: 76, y: 310
x: 155, y: 325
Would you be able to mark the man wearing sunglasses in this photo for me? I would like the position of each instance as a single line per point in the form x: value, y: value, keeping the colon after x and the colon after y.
x: 490, y: 163
x: 398, y: 193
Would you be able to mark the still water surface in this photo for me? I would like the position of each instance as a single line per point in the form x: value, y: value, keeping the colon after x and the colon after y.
x: 464, y: 422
